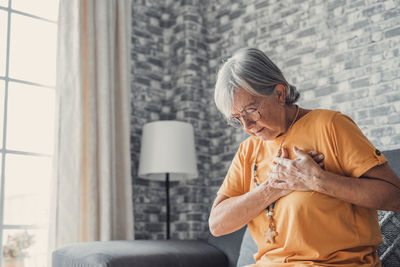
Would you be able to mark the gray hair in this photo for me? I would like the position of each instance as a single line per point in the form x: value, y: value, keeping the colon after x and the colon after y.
x: 252, y: 70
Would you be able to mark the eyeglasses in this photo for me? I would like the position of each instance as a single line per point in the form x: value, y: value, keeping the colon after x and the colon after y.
x: 249, y: 114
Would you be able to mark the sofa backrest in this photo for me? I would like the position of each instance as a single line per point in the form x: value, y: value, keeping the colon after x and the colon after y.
x: 393, y: 157
x: 230, y: 244
x: 389, y: 249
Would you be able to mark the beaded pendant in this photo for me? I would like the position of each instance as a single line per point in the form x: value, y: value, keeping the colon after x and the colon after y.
x: 271, y: 233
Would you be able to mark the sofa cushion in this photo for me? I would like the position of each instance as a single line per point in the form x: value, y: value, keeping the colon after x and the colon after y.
x: 139, y: 253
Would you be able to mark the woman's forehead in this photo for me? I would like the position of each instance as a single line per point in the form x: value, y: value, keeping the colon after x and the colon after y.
x: 242, y: 99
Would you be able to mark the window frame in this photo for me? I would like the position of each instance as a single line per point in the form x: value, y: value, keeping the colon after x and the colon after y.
x: 3, y: 149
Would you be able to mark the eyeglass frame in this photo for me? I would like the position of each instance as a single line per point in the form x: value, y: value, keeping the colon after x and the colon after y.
x: 240, y: 125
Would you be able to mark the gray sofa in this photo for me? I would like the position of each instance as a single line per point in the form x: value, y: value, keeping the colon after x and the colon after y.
x: 231, y: 250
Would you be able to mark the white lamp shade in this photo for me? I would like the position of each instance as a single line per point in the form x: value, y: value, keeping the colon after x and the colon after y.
x: 168, y: 147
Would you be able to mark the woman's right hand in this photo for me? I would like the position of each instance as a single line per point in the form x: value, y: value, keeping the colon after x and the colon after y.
x: 278, y: 193
x: 316, y: 156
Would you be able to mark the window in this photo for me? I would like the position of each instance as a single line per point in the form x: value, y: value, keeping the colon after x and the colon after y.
x: 28, y: 33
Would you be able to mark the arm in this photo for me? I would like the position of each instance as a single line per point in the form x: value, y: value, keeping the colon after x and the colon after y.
x: 378, y: 188
x: 229, y: 214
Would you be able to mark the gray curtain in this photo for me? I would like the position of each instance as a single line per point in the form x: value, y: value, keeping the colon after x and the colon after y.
x: 92, y: 190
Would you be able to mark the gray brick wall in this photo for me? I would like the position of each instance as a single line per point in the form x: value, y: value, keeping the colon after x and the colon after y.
x: 148, y: 104
x: 169, y: 82
x: 341, y: 55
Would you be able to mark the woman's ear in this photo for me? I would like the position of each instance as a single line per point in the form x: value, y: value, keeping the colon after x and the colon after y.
x: 280, y: 91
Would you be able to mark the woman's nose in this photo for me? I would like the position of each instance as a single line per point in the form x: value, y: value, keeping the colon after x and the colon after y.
x: 248, y: 124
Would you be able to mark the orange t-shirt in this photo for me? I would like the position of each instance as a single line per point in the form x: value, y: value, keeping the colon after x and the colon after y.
x: 313, y: 228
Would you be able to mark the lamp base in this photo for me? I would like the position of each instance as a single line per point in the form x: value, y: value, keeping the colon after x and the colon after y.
x: 168, y: 212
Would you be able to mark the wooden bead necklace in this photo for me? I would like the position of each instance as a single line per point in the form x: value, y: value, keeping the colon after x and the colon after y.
x: 271, y: 233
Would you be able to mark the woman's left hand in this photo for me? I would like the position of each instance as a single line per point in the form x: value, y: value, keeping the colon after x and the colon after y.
x: 299, y: 174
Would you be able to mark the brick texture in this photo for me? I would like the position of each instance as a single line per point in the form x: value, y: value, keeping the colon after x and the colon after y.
x: 169, y: 82
x: 341, y: 55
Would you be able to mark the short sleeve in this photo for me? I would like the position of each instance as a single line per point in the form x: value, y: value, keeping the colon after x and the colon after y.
x: 353, y: 150
x: 233, y: 184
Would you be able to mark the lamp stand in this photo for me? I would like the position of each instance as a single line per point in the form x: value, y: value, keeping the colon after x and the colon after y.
x: 167, y: 194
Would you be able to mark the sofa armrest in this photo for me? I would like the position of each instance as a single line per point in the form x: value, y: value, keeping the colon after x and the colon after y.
x: 162, y: 253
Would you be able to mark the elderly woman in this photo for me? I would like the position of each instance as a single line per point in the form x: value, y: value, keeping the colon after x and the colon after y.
x: 297, y: 212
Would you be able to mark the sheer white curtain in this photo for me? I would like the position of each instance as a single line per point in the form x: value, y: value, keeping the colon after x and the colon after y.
x: 92, y: 197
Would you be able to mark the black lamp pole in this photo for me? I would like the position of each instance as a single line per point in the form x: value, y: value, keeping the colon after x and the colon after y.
x: 167, y: 193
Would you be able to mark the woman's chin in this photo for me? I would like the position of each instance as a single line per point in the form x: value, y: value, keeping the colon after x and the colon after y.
x: 264, y: 138
x: 265, y: 135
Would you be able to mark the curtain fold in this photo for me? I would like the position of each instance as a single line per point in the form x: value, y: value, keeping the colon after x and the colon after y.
x: 92, y: 189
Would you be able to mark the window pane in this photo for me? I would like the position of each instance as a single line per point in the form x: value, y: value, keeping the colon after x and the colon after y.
x: 1, y: 111
x: 3, y: 42
x: 32, y: 50
x: 27, y: 189
x: 42, y: 8
x: 35, y: 247
x: 30, y: 118
x: 4, y: 3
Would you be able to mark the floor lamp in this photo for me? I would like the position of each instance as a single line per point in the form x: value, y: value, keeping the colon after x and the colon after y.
x: 167, y: 152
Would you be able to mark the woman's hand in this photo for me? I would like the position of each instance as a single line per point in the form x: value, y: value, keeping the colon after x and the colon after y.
x: 277, y: 191
x: 318, y: 158
x: 298, y: 174
x: 315, y: 155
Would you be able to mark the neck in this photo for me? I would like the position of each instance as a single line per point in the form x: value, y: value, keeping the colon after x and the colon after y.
x: 293, y: 115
